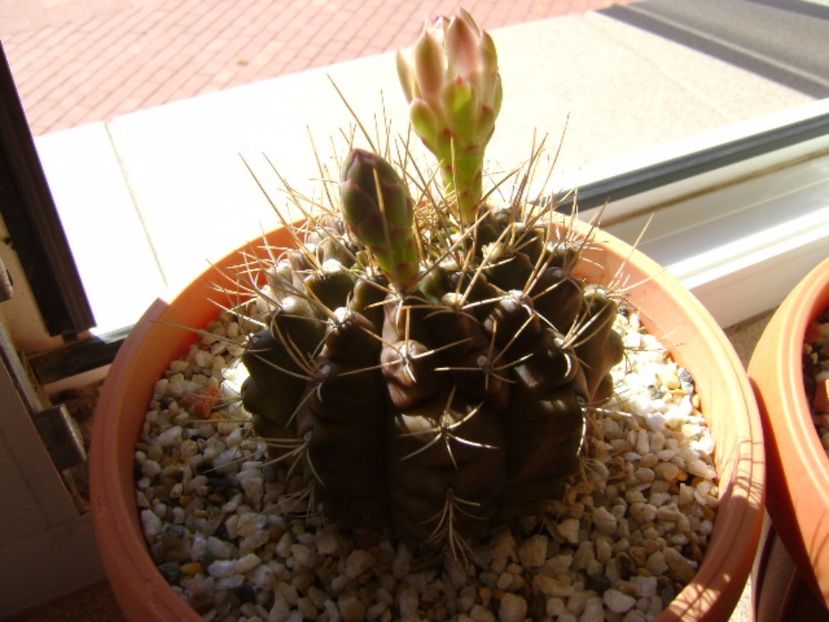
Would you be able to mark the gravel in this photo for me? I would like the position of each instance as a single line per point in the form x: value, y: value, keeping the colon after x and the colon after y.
x: 232, y: 536
x: 816, y: 374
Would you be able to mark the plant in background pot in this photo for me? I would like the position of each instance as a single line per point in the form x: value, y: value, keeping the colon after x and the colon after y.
x: 419, y: 403
x: 792, y: 575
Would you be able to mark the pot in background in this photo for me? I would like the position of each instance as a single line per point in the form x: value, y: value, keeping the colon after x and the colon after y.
x: 791, y: 576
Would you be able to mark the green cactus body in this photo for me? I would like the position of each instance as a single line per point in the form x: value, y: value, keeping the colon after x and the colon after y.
x: 432, y: 398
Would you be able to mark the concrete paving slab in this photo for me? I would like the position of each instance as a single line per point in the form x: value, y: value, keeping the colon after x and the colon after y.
x: 115, y: 258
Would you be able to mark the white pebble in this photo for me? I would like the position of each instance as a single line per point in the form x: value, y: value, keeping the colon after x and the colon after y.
x: 643, y: 512
x: 617, y: 601
x: 150, y: 468
x: 593, y: 611
x: 358, y: 562
x: 219, y: 548
x: 351, y: 608
x: 151, y: 523
x: 326, y: 542
x: 221, y: 568
x: 203, y: 359
x: 170, y: 437
x: 584, y: 555
x: 645, y: 586
x: 303, y: 555
x: 533, y: 551
x: 247, y: 563
x: 407, y: 601
x: 700, y: 469
x: 656, y: 563
x: 604, y: 521
x: 667, y: 471
x: 513, y: 608
x: 550, y: 586
x: 481, y: 614
x: 283, y: 547
x: 569, y: 530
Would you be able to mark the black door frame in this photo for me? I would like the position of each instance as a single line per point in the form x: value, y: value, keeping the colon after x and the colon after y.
x: 33, y: 223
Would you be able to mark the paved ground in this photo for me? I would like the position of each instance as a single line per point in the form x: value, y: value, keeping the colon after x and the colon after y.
x: 77, y: 61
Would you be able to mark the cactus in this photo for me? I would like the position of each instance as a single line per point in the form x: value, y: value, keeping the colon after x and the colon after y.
x: 426, y: 372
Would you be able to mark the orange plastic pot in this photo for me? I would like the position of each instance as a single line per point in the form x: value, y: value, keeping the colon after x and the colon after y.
x: 798, y: 469
x: 668, y: 310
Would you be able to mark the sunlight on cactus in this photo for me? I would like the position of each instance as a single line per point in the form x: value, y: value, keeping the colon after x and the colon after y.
x: 423, y: 368
x: 452, y: 83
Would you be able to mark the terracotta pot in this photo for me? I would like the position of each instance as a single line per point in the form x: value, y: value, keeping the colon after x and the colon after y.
x: 798, y: 469
x: 667, y: 309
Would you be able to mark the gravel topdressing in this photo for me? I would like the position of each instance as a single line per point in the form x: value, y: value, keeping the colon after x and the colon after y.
x: 238, y: 538
x: 816, y: 375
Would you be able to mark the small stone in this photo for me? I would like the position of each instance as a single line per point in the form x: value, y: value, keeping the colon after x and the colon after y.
x: 643, y: 512
x: 407, y: 603
x: 481, y: 614
x: 604, y: 521
x: 247, y: 563
x: 551, y: 586
x: 307, y: 608
x: 375, y: 612
x: 584, y: 555
x: 279, y: 612
x: 513, y: 608
x: 219, y: 548
x: 283, y: 547
x: 221, y: 568
x: 656, y: 564
x: 303, y: 555
x: 504, y: 581
x: 200, y: 592
x: 645, y: 475
x: 326, y: 543
x: 645, y: 586
x: 150, y: 468
x: 171, y: 437
x: 351, y: 608
x: 700, y: 469
x: 358, y: 562
x: 557, y: 565
x: 502, y: 544
x: 533, y: 551
x: 253, y: 541
x: 569, y: 530
x: 679, y: 568
x: 231, y: 582
x: 593, y: 611
x: 191, y: 568
x: 151, y: 523
x: 667, y: 471
x: 617, y: 601
x: 203, y: 358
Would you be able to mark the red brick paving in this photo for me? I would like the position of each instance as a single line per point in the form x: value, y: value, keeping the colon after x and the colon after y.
x: 78, y: 61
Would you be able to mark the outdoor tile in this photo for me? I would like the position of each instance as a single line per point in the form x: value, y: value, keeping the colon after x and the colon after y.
x: 118, y: 39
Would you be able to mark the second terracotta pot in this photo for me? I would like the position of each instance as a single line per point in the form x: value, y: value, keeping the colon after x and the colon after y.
x: 798, y: 468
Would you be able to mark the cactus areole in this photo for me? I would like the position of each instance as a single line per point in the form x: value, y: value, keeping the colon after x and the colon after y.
x: 432, y: 374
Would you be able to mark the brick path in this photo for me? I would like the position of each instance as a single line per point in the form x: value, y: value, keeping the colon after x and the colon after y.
x: 78, y: 61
